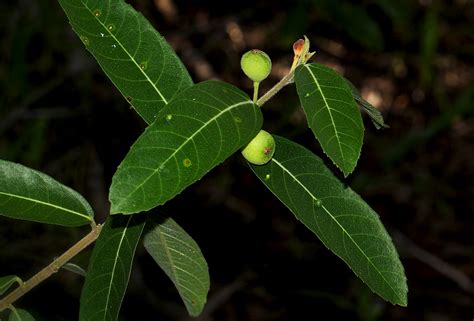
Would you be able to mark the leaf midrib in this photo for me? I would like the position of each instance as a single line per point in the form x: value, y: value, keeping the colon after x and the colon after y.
x: 10, y: 280
x: 46, y: 204
x: 190, y: 138
x: 124, y: 232
x: 174, y: 277
x: 15, y: 312
x: 128, y: 54
x: 295, y: 179
x: 329, y: 112
x: 168, y: 255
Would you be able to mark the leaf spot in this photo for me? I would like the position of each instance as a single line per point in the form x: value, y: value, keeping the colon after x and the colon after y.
x: 317, y: 202
x: 169, y: 117
x: 267, y: 177
x: 238, y: 120
x: 97, y: 13
x: 187, y: 162
x: 144, y: 65
x: 307, y: 95
x: 85, y: 40
x: 111, y: 27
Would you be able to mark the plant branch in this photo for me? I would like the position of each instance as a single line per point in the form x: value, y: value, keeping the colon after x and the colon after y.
x: 255, y: 91
x: 288, y: 79
x: 302, y: 55
x: 52, y: 268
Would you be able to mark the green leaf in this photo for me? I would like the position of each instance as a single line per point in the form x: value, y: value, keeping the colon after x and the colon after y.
x: 109, y: 269
x: 131, y: 52
x: 374, y: 114
x: 7, y: 281
x: 332, y: 114
x: 337, y: 215
x: 74, y: 268
x: 20, y: 315
x: 27, y: 194
x: 181, y: 259
x: 199, y: 129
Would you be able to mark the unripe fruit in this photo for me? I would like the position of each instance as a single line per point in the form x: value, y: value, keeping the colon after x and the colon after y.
x: 256, y: 65
x: 260, y: 149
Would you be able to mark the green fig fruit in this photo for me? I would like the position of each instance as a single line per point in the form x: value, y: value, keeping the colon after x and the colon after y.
x: 256, y: 65
x: 260, y: 149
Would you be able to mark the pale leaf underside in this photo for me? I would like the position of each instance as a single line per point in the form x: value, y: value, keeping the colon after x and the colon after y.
x: 181, y: 259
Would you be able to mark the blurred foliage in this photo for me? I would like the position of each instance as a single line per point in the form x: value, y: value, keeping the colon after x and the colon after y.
x: 362, y: 23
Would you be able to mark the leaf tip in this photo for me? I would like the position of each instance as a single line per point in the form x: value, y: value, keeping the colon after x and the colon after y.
x: 348, y: 170
x: 402, y: 299
x: 118, y: 208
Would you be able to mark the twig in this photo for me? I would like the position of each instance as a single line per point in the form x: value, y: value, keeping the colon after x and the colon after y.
x: 288, y: 79
x: 45, y: 273
x: 444, y: 268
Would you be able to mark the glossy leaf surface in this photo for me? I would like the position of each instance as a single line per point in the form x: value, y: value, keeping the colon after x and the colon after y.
x: 199, y: 129
x: 27, y: 194
x: 131, y: 52
x: 181, y: 259
x: 337, y: 215
x: 109, y: 269
x: 332, y: 114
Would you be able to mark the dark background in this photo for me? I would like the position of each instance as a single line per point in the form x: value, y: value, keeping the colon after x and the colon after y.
x: 412, y: 59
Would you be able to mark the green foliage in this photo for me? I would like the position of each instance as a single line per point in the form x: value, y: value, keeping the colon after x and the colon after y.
x: 375, y: 115
x: 332, y: 114
x: 337, y: 215
x: 131, y: 52
x: 199, y: 129
x: 109, y: 269
x: 192, y: 129
x: 27, y: 194
x: 74, y: 268
x: 181, y: 259
x: 20, y: 315
x: 6, y: 282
